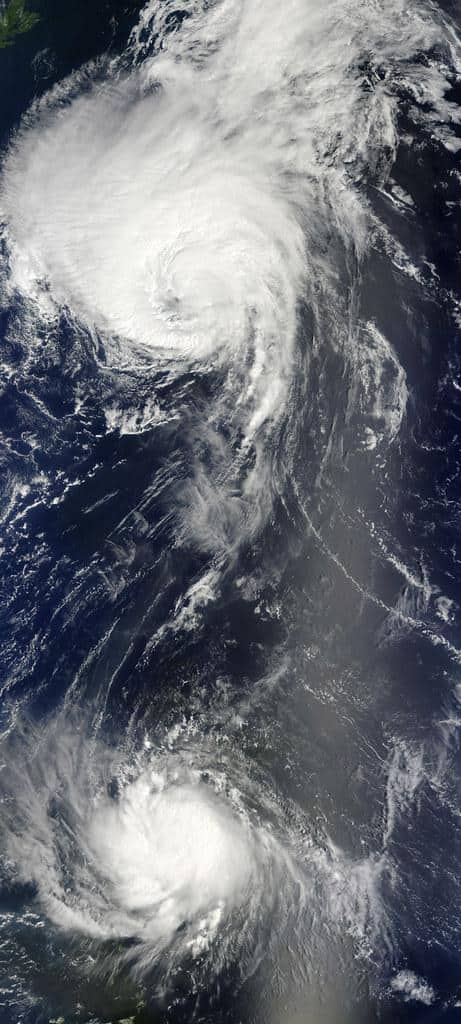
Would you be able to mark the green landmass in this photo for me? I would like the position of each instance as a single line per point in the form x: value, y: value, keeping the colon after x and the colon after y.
x: 14, y: 20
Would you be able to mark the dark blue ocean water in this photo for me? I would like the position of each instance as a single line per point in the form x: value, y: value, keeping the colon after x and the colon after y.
x: 91, y: 571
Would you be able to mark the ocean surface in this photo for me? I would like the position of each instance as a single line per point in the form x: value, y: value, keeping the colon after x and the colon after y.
x: 230, y: 430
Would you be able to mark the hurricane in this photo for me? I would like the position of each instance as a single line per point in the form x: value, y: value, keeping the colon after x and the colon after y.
x: 220, y: 302
x: 176, y: 207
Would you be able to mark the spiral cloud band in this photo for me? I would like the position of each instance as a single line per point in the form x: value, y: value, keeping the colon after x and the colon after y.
x: 195, y: 212
x: 180, y: 206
